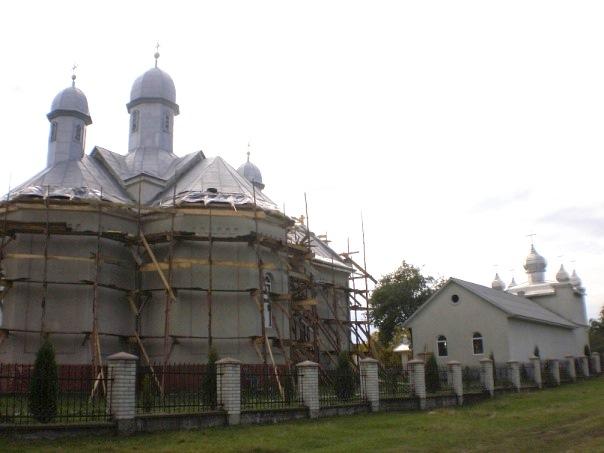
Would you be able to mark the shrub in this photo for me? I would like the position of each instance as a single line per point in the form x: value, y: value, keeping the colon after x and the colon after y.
x: 536, y: 351
x: 586, y: 350
x: 344, y: 378
x: 147, y: 393
x: 432, y: 378
x: 208, y: 383
x: 44, y: 385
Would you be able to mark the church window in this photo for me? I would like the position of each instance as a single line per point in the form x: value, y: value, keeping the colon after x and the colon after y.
x: 266, y: 298
x: 166, y: 122
x: 477, y: 343
x: 134, y: 121
x: 454, y: 298
x: 441, y: 345
x: 53, y: 131
x: 77, y: 134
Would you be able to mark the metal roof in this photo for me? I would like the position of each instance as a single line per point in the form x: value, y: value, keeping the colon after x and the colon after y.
x: 74, y: 179
x: 513, y: 306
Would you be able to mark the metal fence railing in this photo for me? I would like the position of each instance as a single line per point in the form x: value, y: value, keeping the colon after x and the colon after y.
x: 565, y: 371
x: 579, y: 369
x: 502, y: 376
x: 472, y: 380
x: 267, y: 387
x: 394, y: 382
x: 438, y: 380
x: 338, y: 388
x: 80, y: 396
x: 169, y: 389
x: 527, y: 375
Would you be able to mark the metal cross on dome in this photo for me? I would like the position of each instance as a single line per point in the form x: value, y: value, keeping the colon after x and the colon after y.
x: 156, y: 53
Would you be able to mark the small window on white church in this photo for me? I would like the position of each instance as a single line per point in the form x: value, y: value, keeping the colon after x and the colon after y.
x: 477, y: 345
x: 166, y: 122
x: 77, y: 134
x: 454, y: 298
x: 266, y: 298
x: 134, y: 121
x: 441, y: 344
x: 53, y: 131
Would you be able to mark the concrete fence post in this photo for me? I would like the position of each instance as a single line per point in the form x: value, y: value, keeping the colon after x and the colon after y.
x: 121, y: 390
x: 595, y: 363
x: 417, y: 378
x: 554, y: 369
x: 228, y: 388
x: 308, y: 386
x: 584, y: 365
x: 514, y: 374
x: 370, y: 390
x: 536, y: 361
x: 455, y: 379
x: 570, y: 363
x: 486, y: 376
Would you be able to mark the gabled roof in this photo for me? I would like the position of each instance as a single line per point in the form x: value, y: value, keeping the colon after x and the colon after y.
x: 160, y: 165
x: 513, y: 306
x: 212, y: 180
x: 86, y: 178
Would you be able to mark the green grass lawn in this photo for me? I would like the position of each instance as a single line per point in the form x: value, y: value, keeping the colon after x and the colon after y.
x: 569, y: 418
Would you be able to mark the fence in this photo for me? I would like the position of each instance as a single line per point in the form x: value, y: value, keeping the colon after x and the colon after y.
x: 175, y: 389
x: 263, y: 387
x: 437, y: 380
x: 80, y: 396
x: 339, y: 387
x: 394, y: 382
x: 472, y: 380
x: 565, y: 371
x: 527, y: 375
x: 502, y: 376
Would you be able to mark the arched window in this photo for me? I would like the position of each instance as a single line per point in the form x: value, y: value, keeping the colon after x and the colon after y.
x: 53, y: 131
x: 441, y: 345
x: 134, y: 121
x: 477, y: 343
x: 266, y: 296
x: 77, y: 134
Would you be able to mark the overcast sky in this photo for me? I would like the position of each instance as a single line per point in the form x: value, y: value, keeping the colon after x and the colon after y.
x: 456, y: 128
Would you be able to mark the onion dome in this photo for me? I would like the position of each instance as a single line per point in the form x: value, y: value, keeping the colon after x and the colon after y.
x: 498, y: 283
x: 574, y: 279
x: 252, y: 173
x: 562, y: 275
x: 154, y: 85
x: 70, y: 102
x: 534, y: 262
x: 512, y: 283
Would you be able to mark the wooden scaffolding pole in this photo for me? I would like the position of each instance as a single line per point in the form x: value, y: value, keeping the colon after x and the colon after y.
x: 45, y: 265
x: 169, y: 293
x: 258, y: 293
x: 95, y: 342
x: 209, y: 295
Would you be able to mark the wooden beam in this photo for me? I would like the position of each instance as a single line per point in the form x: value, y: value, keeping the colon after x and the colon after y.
x: 158, y: 268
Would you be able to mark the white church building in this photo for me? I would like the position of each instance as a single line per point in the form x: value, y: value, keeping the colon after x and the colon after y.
x: 466, y: 322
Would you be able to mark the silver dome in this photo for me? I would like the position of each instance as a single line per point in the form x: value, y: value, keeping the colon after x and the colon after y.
x: 252, y: 173
x: 534, y: 262
x: 575, y: 280
x: 154, y: 84
x: 498, y: 283
x: 562, y: 275
x: 71, y: 100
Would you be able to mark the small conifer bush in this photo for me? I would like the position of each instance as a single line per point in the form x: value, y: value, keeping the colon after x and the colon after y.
x: 208, y: 384
x: 344, y: 379
x: 432, y: 378
x: 44, y: 385
x: 147, y: 393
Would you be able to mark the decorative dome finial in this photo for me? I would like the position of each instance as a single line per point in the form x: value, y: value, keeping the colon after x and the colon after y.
x: 535, y: 266
x: 73, y: 75
x: 156, y: 55
x: 562, y: 275
x: 575, y: 280
x: 248, y: 151
x: 498, y: 283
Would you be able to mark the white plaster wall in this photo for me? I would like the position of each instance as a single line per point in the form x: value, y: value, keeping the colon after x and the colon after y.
x: 553, y: 342
x: 458, y: 322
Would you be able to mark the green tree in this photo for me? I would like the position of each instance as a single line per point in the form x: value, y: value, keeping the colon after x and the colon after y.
x: 596, y: 332
x: 397, y: 296
x: 208, y: 384
x: 44, y: 385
